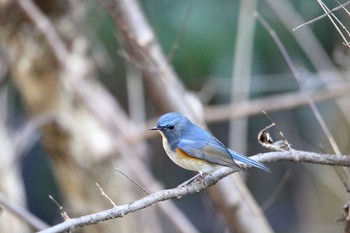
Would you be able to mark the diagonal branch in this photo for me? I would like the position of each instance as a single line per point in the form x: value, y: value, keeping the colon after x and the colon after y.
x: 322, y: 16
x: 22, y: 213
x: 196, y: 186
x: 46, y: 28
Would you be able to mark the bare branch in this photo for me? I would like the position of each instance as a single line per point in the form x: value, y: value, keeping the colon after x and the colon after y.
x: 273, y: 103
x: 196, y: 186
x: 272, y: 198
x: 105, y: 195
x: 335, y: 21
x: 46, y: 28
x: 321, y: 16
x: 143, y: 48
x: 129, y: 178
x: 22, y: 213
x: 311, y: 103
x: 64, y: 214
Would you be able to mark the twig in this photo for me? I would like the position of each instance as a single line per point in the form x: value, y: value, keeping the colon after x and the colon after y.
x: 280, y: 145
x: 326, y: 9
x: 275, y: 125
x: 22, y: 213
x: 129, y: 178
x: 342, y: 5
x: 196, y: 186
x: 272, y: 198
x: 180, y: 35
x: 299, y: 80
x: 64, y: 214
x: 321, y: 16
x: 105, y: 195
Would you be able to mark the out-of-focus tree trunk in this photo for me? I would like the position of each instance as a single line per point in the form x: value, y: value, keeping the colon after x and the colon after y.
x: 77, y: 140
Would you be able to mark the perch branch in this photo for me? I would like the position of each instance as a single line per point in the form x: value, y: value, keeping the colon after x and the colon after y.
x: 196, y: 186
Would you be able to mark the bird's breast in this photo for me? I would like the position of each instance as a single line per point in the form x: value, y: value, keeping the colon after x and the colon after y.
x: 186, y: 161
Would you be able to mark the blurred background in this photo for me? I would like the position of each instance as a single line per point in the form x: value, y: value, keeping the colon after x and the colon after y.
x: 73, y: 110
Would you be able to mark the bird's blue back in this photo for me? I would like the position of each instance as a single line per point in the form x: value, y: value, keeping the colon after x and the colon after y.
x: 204, y: 141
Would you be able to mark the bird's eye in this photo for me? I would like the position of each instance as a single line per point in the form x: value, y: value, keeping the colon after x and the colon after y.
x: 171, y: 127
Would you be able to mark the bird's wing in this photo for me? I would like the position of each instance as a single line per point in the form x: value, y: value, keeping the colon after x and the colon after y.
x: 210, y: 150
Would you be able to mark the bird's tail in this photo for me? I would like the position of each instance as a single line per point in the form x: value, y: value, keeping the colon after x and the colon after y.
x: 248, y: 161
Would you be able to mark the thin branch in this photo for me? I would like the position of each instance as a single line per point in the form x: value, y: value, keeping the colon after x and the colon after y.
x: 105, y: 195
x: 321, y: 16
x: 272, y: 198
x: 25, y: 138
x: 46, y: 28
x: 64, y: 214
x: 142, y: 46
x: 196, y: 186
x: 22, y: 213
x: 311, y: 47
x: 180, y: 35
x: 129, y: 178
x: 299, y: 80
x: 334, y: 22
x: 273, y: 103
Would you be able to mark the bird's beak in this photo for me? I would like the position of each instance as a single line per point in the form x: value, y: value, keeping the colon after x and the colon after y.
x: 154, y: 128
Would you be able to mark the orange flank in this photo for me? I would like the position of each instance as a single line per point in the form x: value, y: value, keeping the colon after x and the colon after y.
x: 189, y: 162
x: 184, y: 155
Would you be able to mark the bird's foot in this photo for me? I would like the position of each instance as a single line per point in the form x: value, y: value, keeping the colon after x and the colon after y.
x: 199, y: 176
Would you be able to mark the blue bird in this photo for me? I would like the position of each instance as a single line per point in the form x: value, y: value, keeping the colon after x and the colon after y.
x: 193, y: 148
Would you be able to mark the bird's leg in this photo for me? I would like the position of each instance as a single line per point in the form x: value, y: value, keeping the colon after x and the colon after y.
x: 198, y: 176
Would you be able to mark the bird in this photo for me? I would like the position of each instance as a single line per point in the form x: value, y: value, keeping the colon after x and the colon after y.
x: 194, y: 148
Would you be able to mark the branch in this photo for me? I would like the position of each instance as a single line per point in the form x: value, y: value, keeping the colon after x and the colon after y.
x: 46, y: 28
x: 196, y: 186
x: 304, y: 156
x: 273, y: 103
x: 322, y: 16
x: 146, y: 54
x: 22, y: 213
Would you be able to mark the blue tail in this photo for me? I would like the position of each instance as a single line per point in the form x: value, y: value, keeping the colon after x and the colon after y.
x: 248, y: 161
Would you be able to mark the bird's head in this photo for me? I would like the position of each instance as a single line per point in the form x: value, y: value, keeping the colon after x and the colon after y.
x: 172, y: 125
